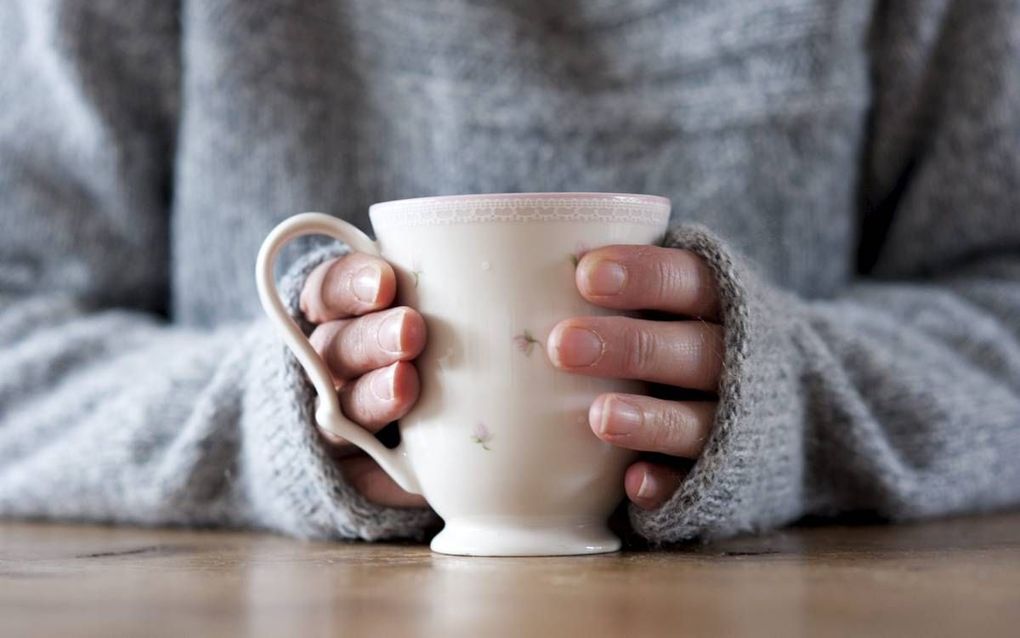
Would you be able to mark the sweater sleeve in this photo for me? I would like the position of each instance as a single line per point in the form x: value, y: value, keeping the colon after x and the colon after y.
x: 900, y: 396
x: 107, y: 411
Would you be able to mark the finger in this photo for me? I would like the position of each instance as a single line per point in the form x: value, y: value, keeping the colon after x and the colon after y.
x: 650, y: 485
x: 374, y: 400
x: 649, y: 278
x: 686, y: 354
x: 348, y: 286
x: 381, y: 396
x: 676, y: 428
x: 374, y: 484
x: 352, y: 347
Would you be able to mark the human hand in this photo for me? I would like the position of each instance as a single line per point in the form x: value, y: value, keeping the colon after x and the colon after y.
x: 368, y: 347
x: 683, y: 350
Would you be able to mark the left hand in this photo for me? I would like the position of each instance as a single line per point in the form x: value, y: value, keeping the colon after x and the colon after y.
x: 685, y: 350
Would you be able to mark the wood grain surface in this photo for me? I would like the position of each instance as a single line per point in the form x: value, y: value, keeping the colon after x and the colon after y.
x: 952, y: 577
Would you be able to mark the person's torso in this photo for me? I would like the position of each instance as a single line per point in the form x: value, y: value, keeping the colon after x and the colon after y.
x: 749, y: 116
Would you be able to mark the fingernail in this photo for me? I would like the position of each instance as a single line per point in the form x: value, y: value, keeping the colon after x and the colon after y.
x: 578, y: 347
x: 620, y: 417
x: 382, y: 384
x: 365, y: 284
x: 606, y: 278
x: 391, y: 333
x: 648, y: 486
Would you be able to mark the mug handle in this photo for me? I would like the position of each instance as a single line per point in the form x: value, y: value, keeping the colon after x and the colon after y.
x: 327, y: 414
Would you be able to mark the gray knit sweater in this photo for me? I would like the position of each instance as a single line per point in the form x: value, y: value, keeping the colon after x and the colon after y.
x: 851, y: 171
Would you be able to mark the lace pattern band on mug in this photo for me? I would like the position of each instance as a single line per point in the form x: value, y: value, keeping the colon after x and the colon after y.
x: 560, y: 209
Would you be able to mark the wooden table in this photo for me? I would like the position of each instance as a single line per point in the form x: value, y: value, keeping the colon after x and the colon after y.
x: 954, y: 577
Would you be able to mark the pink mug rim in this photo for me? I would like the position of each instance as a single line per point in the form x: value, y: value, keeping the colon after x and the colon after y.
x: 656, y: 200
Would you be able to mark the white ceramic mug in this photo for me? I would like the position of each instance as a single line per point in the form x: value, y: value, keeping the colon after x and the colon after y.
x: 498, y: 442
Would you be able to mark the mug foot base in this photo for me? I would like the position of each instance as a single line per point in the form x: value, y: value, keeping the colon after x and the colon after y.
x: 499, y: 538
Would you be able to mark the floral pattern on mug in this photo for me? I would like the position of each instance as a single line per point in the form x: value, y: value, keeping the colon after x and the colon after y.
x: 525, y: 342
x: 415, y: 271
x: 579, y: 250
x: 481, y: 435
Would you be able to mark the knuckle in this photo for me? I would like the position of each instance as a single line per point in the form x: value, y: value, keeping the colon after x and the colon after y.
x: 676, y: 427
x: 667, y: 279
x: 335, y: 276
x: 322, y: 340
x: 678, y: 278
x: 335, y: 266
x: 641, y: 349
x: 369, y: 409
x: 354, y: 349
x: 707, y: 351
x: 338, y: 346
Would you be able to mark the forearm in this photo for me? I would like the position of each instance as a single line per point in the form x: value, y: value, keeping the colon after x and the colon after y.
x: 115, y: 416
x: 901, y: 399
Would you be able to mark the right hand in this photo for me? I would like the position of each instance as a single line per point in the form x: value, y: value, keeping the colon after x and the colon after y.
x: 368, y: 347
